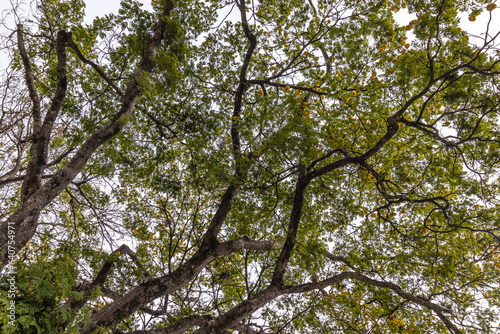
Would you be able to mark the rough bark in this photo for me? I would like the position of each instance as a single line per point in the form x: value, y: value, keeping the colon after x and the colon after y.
x: 232, y: 318
x: 293, y: 227
x: 160, y: 286
x: 41, y: 134
x: 24, y: 220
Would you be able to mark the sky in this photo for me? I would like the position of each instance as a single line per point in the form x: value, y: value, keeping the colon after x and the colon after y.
x: 99, y: 8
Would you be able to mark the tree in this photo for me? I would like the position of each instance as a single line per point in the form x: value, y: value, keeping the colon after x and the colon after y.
x: 271, y: 167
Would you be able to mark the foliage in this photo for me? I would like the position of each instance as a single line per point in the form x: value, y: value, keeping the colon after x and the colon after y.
x: 273, y: 167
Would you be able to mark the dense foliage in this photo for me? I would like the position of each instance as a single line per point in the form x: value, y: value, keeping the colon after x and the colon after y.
x: 272, y: 167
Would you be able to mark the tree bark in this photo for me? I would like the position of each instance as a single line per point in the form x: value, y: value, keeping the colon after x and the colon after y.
x: 24, y: 220
x: 164, y: 285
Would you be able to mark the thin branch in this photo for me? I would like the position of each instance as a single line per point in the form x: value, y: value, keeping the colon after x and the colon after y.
x: 283, y: 85
x: 20, y: 178
x: 60, y: 157
x: 96, y: 67
x: 381, y: 284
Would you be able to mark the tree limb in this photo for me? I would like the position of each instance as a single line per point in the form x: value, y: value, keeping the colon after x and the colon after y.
x: 96, y: 67
x: 23, y: 220
x: 160, y: 286
x: 381, y: 284
x: 293, y: 227
x: 180, y: 326
x: 30, y: 80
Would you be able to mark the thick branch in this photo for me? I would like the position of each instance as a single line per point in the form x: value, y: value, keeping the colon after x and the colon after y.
x: 232, y: 318
x: 218, y: 219
x: 115, y: 296
x: 24, y: 218
x: 160, y: 286
x: 293, y: 227
x: 180, y: 326
x: 25, y: 228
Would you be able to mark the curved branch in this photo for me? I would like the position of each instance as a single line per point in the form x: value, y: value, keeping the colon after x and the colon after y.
x: 234, y: 316
x: 160, y: 286
x: 30, y: 79
x: 381, y: 284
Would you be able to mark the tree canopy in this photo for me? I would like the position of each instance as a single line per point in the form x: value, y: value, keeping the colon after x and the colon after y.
x: 254, y: 167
